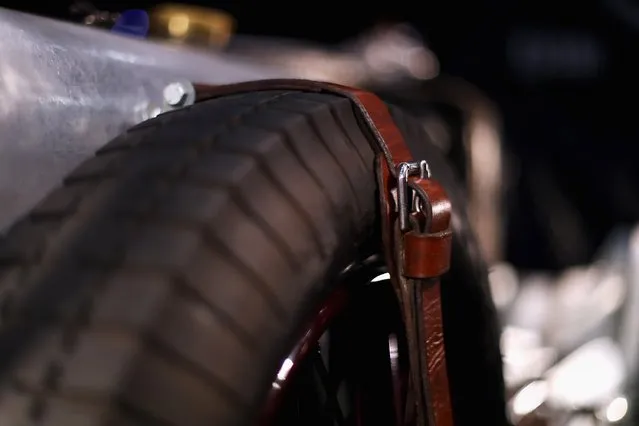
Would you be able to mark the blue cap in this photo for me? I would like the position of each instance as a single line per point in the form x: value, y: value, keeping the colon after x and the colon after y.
x: 133, y: 22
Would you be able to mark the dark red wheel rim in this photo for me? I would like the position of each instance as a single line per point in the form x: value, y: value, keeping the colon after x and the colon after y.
x: 350, y: 366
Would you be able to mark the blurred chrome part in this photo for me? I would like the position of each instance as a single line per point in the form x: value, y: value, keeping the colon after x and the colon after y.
x: 571, y: 307
x: 581, y: 419
x: 524, y: 356
x: 439, y: 132
x: 485, y: 173
x: 584, y: 386
x: 532, y: 306
x: 615, y: 410
x: 587, y: 378
x: 528, y: 399
x: 303, y: 60
x: 584, y: 301
x: 628, y: 333
x: 383, y: 56
x: 393, y: 53
x: 587, y: 317
x: 67, y: 89
x: 504, y: 284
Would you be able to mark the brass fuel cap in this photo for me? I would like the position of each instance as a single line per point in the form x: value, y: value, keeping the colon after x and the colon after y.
x: 191, y: 24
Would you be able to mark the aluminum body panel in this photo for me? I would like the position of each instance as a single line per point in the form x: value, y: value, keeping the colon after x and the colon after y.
x: 67, y: 89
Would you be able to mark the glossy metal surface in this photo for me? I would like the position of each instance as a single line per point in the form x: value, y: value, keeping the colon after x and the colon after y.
x: 570, y: 342
x: 486, y: 174
x: 65, y: 90
x: 385, y: 55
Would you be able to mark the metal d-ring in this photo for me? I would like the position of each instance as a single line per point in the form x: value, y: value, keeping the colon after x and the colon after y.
x: 404, y: 171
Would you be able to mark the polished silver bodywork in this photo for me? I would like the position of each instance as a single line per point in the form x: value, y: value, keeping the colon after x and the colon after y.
x: 67, y: 89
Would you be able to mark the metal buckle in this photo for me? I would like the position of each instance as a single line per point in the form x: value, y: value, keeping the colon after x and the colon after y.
x: 404, y: 171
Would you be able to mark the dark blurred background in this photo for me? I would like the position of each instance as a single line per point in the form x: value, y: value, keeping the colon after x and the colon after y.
x: 562, y: 72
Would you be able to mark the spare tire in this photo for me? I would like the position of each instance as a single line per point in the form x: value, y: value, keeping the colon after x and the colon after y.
x: 166, y: 279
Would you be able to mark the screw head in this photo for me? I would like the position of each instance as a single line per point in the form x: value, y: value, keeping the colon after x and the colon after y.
x: 175, y: 94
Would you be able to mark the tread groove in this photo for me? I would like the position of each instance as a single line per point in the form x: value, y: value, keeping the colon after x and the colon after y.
x: 295, y: 204
x: 286, y: 138
x: 312, y: 125
x: 153, y: 345
x: 340, y: 123
x: 67, y: 345
x: 184, y: 290
x: 211, y: 240
x: 271, y: 233
x: 263, y: 287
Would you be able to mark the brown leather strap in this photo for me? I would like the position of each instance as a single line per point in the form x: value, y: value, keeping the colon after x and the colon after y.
x: 432, y: 339
x: 427, y: 250
x: 415, y: 258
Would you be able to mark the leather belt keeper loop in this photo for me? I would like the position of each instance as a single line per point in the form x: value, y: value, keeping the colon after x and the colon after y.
x: 426, y: 255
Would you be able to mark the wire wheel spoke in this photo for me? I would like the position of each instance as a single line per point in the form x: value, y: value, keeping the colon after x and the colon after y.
x: 330, y: 384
